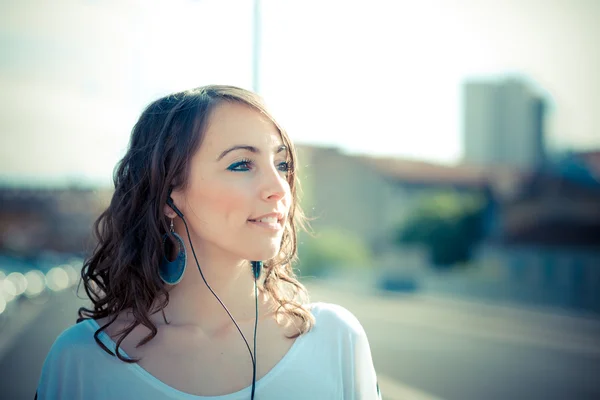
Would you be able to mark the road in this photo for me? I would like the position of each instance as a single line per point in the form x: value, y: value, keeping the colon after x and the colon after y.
x: 457, y: 350
x: 30, y: 340
x: 423, y: 347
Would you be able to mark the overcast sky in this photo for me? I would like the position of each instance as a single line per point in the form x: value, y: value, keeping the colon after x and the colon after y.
x: 379, y: 77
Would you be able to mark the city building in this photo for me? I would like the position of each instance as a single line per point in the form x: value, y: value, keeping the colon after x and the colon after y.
x: 372, y: 196
x: 503, y: 124
x: 34, y: 220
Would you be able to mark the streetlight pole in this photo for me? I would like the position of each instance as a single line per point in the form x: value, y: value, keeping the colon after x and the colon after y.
x: 256, y: 42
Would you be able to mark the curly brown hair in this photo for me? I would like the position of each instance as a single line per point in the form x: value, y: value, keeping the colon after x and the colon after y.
x: 122, y: 272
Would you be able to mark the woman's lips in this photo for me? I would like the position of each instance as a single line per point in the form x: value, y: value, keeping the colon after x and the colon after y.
x: 271, y: 224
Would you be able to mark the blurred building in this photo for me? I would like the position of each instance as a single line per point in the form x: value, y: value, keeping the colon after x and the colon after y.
x: 542, y: 226
x: 37, y: 220
x: 557, y: 204
x: 543, y: 241
x: 372, y: 196
x: 591, y: 162
x: 503, y: 124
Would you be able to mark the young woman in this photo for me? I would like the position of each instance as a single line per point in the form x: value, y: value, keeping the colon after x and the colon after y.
x: 191, y: 282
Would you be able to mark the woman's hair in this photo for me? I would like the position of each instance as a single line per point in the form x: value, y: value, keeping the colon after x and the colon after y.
x: 122, y: 272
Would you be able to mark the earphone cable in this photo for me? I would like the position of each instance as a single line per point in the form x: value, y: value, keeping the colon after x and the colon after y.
x: 223, y: 305
x: 255, y: 326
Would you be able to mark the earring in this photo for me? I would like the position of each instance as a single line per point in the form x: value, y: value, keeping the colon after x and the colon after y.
x: 171, y: 272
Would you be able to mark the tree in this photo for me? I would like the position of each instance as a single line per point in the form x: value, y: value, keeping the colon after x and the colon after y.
x: 329, y: 250
x: 448, y: 224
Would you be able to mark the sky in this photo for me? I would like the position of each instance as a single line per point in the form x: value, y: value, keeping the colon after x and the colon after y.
x: 375, y: 77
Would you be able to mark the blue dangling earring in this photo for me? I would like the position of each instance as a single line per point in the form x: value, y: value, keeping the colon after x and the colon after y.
x: 171, y: 272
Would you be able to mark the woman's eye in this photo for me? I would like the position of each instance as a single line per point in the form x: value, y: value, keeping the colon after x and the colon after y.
x: 284, y: 166
x: 246, y: 165
x: 239, y: 166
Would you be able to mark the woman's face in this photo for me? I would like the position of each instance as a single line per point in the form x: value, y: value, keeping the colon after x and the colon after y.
x: 238, y: 198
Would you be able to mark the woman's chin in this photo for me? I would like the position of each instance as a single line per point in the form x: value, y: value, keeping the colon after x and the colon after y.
x: 263, y: 254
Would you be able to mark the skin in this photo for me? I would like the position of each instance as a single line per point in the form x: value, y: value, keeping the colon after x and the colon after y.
x: 200, y: 351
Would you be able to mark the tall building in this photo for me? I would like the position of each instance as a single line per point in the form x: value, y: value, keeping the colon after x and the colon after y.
x: 503, y: 124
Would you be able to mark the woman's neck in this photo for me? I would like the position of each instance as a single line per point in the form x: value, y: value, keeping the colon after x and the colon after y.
x: 192, y: 303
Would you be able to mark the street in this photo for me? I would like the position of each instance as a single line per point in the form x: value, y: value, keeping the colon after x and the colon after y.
x: 456, y: 350
x: 423, y: 348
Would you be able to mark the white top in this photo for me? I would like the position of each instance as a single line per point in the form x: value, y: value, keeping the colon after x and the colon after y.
x: 332, y: 361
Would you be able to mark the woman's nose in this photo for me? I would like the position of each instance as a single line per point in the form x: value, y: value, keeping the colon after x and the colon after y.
x: 275, y: 185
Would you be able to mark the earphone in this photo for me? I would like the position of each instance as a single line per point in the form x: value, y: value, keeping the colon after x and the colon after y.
x: 256, y: 269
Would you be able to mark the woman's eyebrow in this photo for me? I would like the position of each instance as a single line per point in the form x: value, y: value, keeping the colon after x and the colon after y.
x: 249, y: 148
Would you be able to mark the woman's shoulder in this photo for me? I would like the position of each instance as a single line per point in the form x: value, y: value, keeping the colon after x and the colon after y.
x: 72, y: 344
x: 80, y: 334
x: 334, y: 317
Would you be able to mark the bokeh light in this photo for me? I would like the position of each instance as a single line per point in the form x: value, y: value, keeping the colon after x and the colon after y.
x: 71, y: 273
x: 19, y: 282
x: 9, y: 290
x: 57, y: 279
x: 36, y: 283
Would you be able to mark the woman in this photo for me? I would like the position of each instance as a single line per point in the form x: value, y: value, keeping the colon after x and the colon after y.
x: 194, y: 261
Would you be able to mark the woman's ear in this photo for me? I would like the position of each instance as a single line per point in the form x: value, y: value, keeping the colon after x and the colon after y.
x: 169, y: 212
x: 171, y: 209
